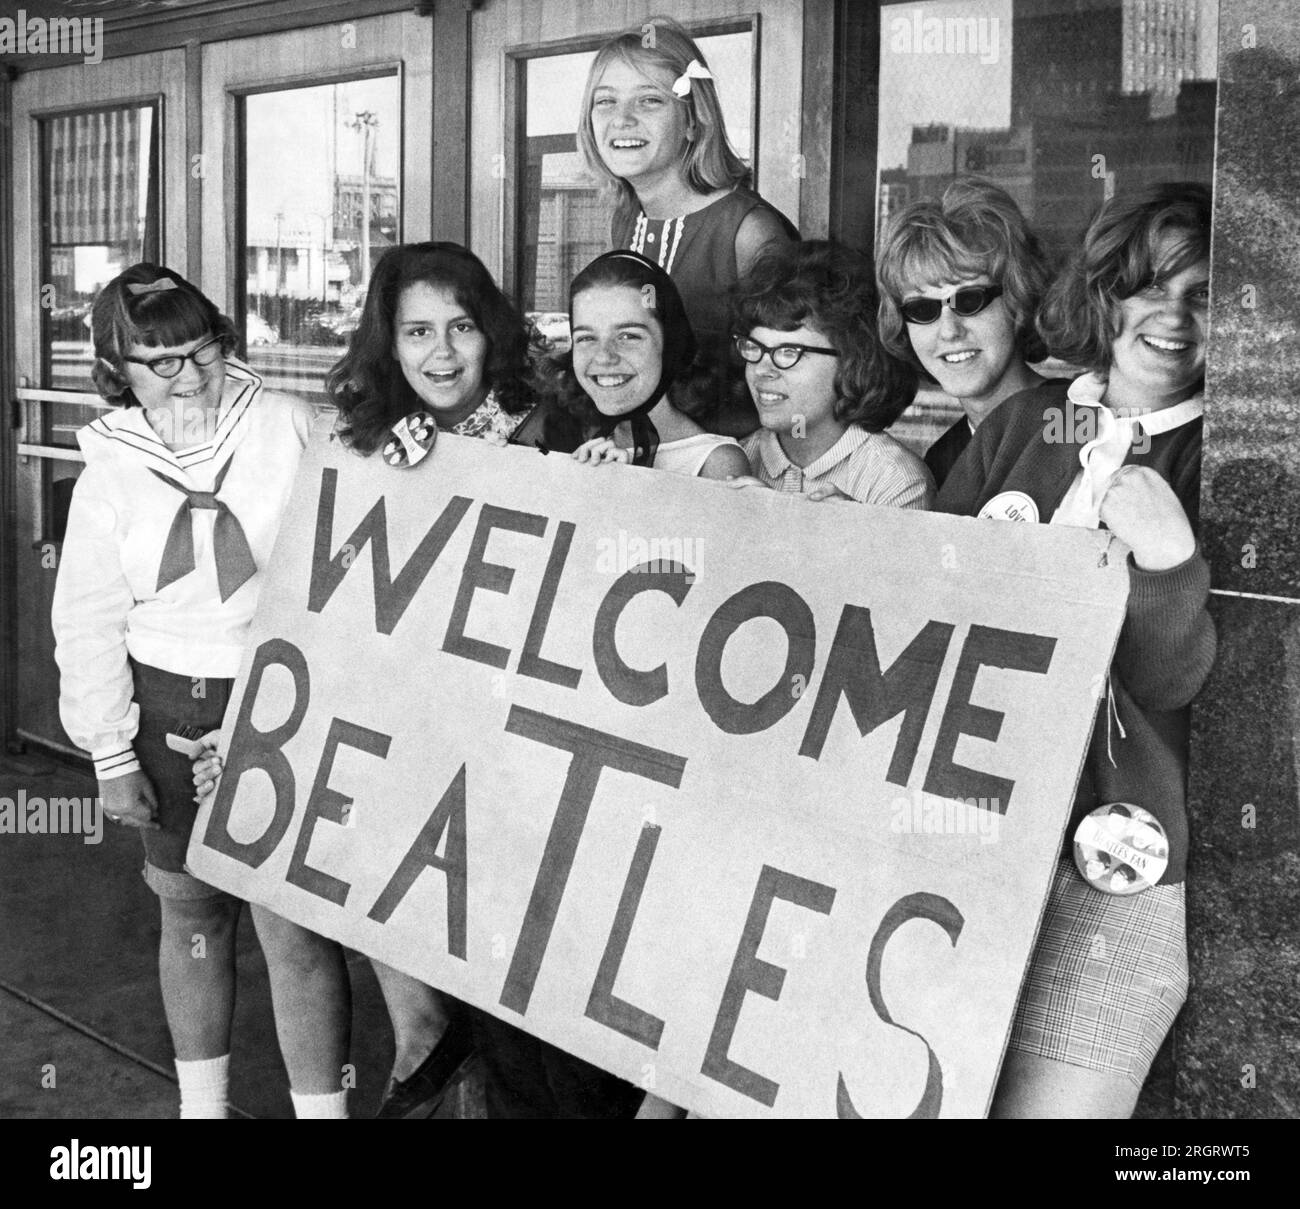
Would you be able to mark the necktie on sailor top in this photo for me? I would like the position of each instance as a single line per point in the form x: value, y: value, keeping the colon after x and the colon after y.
x: 235, y: 565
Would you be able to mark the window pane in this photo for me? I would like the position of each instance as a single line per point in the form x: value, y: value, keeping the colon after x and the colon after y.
x: 100, y: 187
x: 321, y: 204
x: 1060, y: 102
x: 565, y: 218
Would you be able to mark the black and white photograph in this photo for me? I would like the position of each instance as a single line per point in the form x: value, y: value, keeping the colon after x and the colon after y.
x: 383, y: 738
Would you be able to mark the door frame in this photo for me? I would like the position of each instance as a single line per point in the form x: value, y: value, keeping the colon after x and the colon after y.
x: 135, y: 80
x: 236, y: 69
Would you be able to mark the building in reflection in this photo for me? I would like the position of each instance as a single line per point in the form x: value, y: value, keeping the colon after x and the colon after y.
x: 1165, y: 44
x: 1066, y: 58
x: 1102, y: 92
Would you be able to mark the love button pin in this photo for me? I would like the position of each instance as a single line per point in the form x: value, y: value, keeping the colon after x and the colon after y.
x: 413, y: 437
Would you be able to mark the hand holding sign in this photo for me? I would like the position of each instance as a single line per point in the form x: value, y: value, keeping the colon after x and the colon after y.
x: 207, y: 772
x: 1141, y: 509
x: 600, y: 451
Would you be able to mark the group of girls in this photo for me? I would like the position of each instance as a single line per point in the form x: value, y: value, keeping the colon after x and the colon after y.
x: 706, y: 323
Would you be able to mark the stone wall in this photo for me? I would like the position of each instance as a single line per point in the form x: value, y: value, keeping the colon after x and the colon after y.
x: 1236, y: 1049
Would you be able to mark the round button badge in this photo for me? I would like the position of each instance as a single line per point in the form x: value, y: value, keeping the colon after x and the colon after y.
x: 1010, y: 506
x: 413, y: 437
x: 1121, y: 849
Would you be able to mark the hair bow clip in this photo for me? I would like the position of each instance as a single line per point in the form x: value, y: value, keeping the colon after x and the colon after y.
x: 695, y: 70
x: 150, y: 287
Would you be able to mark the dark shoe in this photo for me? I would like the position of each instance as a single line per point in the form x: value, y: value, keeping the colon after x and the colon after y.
x: 418, y: 1096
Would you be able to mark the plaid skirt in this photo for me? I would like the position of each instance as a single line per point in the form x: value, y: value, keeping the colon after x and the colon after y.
x: 1106, y: 979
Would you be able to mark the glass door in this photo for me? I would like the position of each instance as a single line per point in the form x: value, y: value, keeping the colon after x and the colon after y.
x: 99, y: 183
x: 310, y: 186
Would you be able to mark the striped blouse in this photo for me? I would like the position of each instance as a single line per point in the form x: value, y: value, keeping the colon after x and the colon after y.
x: 871, y: 467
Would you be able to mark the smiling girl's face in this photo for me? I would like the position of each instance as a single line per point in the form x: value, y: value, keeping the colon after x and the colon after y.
x: 972, y: 357
x: 799, y: 401
x: 1158, y: 355
x: 618, y: 347
x: 639, y: 125
x: 442, y: 351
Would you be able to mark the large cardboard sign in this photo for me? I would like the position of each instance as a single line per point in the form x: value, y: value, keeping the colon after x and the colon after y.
x: 752, y: 801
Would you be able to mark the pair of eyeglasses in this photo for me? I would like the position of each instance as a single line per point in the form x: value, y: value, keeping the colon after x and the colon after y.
x: 784, y: 356
x: 967, y: 301
x: 169, y: 367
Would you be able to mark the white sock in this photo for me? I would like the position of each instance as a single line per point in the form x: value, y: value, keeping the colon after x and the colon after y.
x: 204, y: 1083
x: 326, y: 1106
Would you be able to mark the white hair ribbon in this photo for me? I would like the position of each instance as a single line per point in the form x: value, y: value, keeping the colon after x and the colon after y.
x: 695, y: 70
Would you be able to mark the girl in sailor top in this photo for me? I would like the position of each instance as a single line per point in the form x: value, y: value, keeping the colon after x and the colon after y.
x: 632, y: 347
x: 1120, y: 447
x: 651, y: 128
x: 171, y: 524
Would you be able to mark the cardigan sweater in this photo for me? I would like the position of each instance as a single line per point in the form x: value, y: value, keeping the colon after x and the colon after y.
x: 942, y: 456
x: 1167, y: 644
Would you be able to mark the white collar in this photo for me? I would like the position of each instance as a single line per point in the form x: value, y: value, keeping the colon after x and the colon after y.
x: 1089, y: 389
x: 129, y: 426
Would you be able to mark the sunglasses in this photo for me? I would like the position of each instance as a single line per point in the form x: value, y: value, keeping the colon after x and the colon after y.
x: 967, y: 301
x: 169, y: 367
x: 784, y: 356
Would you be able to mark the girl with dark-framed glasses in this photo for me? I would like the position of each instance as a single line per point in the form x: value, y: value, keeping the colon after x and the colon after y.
x: 170, y: 528
x: 824, y: 385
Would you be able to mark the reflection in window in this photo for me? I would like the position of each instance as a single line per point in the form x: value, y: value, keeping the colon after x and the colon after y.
x: 564, y: 216
x: 1060, y: 102
x: 99, y: 173
x: 321, y: 204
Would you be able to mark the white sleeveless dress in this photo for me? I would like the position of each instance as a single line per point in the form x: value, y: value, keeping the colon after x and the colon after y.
x: 688, y: 455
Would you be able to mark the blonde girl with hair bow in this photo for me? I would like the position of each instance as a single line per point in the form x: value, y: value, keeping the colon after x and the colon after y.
x: 651, y: 129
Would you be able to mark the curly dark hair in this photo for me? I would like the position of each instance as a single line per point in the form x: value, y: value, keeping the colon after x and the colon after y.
x: 828, y: 286
x: 974, y: 228
x: 1120, y: 256
x: 367, y: 384
x: 162, y: 318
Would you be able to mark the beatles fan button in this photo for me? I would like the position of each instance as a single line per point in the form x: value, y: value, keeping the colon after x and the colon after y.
x: 1121, y: 849
x: 413, y: 437
x: 1010, y: 506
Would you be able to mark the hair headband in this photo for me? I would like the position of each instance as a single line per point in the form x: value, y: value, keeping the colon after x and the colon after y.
x: 150, y: 287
